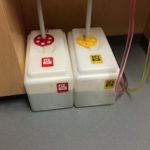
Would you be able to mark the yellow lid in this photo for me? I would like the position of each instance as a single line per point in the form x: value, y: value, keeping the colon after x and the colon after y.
x: 87, y: 42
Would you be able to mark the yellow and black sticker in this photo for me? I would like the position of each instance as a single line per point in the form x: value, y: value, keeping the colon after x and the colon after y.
x: 96, y: 59
x: 109, y: 84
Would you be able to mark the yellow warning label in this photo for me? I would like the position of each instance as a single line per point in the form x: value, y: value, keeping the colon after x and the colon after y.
x: 96, y: 59
x: 109, y: 84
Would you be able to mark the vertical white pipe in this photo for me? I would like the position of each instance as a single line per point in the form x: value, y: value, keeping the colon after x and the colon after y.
x: 41, y: 18
x: 88, y: 17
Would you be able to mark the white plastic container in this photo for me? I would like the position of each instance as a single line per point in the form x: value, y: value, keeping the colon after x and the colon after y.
x: 95, y: 70
x: 48, y: 74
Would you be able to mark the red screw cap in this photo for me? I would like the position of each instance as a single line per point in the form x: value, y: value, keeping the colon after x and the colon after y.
x: 48, y: 40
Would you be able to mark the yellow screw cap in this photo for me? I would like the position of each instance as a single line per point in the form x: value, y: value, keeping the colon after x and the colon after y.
x: 87, y: 42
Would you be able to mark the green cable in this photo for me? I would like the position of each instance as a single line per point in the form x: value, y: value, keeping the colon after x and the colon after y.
x: 145, y: 73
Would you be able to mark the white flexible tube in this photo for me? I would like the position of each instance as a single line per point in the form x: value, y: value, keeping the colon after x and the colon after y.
x: 41, y: 18
x: 88, y: 17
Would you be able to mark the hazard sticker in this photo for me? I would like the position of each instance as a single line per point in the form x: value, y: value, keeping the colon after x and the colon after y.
x: 62, y: 87
x: 109, y: 84
x: 47, y: 62
x: 96, y: 59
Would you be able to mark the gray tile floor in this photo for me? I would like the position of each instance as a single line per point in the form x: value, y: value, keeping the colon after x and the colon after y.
x: 122, y: 126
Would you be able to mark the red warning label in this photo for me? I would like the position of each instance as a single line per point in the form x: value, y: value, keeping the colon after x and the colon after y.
x: 62, y: 87
x: 47, y: 62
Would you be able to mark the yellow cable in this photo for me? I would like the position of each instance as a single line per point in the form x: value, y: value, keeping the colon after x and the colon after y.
x: 145, y: 73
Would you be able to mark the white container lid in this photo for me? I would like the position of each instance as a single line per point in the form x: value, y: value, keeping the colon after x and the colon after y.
x: 48, y: 60
x: 102, y: 49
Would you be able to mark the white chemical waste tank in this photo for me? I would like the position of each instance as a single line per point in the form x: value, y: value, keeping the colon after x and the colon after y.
x: 48, y: 74
x: 94, y: 66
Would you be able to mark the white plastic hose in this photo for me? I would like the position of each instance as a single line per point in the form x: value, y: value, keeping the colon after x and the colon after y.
x: 88, y: 17
x: 41, y: 18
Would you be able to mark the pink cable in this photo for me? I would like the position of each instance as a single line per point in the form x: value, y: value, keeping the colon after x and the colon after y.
x: 129, y: 43
x: 121, y: 90
x: 121, y: 75
x: 125, y: 56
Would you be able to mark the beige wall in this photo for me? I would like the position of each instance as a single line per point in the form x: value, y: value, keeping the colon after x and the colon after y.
x: 12, y: 48
x: 112, y: 15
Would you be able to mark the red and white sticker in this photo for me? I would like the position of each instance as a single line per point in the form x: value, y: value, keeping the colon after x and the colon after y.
x: 62, y: 87
x: 47, y: 62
